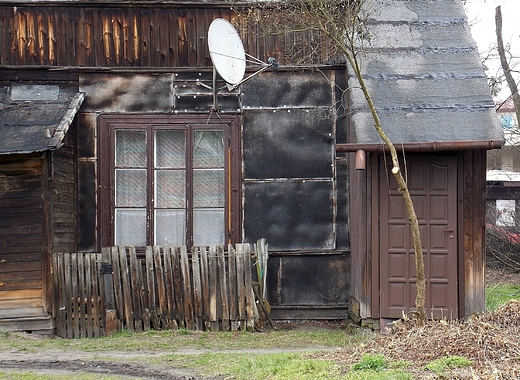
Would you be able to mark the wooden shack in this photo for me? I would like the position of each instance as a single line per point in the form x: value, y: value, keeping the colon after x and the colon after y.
x: 152, y: 163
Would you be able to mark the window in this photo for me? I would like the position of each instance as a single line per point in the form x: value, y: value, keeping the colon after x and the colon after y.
x: 170, y: 180
x: 506, y: 121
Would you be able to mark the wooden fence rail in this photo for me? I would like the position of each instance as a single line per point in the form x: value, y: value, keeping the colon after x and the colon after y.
x: 207, y: 289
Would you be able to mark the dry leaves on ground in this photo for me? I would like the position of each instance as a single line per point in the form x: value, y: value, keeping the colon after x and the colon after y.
x: 491, y: 341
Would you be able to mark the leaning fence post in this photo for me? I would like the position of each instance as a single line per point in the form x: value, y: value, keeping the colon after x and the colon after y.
x: 110, y: 305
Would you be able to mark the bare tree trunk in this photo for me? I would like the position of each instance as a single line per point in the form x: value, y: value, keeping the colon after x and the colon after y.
x: 505, y: 64
x: 405, y: 193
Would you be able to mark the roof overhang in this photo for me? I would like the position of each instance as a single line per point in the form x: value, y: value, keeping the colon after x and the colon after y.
x: 38, y: 119
x: 423, y: 146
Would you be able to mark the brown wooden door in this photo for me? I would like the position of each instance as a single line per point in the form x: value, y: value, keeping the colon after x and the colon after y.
x: 432, y: 182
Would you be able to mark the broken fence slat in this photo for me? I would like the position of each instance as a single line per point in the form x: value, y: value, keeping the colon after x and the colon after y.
x: 204, y: 277
x: 150, y: 279
x: 232, y: 288
x: 169, y: 288
x: 187, y: 289
x: 213, y: 315
x: 162, y: 310
x: 116, y: 275
x: 135, y: 285
x: 125, y: 284
x: 197, y: 289
x: 224, y: 299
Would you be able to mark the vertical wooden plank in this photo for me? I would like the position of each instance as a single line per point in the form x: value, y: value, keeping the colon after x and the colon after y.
x: 187, y: 289
x: 109, y: 301
x: 182, y: 38
x: 135, y: 284
x: 81, y: 295
x: 169, y: 288
x: 97, y: 303
x: 224, y: 299
x: 61, y: 326
x: 241, y: 290
x: 161, y: 292
x: 145, y: 37
x: 150, y: 280
x: 127, y: 294
x: 197, y: 289
x: 232, y: 288
x: 248, y: 287
x: 75, y: 293
x: 204, y: 273
x: 213, y: 315
x: 89, y: 301
x: 177, y: 284
x: 145, y: 303
x: 68, y: 296
x: 118, y: 292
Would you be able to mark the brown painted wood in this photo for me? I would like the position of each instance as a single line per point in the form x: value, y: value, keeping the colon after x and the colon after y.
x: 98, y: 299
x: 433, y: 186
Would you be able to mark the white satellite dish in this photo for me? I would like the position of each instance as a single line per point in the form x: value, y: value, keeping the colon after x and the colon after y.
x: 229, y: 58
x: 226, y: 51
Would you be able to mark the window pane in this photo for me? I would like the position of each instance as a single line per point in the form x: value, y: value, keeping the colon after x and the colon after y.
x: 130, y: 187
x: 170, y: 149
x: 170, y: 227
x: 208, y: 149
x: 130, y: 227
x: 208, y: 227
x: 170, y: 188
x: 208, y: 188
x: 130, y: 148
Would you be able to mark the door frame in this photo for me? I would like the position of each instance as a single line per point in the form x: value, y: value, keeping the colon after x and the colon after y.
x: 377, y: 175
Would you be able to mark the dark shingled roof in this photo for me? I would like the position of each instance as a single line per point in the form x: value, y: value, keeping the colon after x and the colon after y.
x: 424, y: 73
x: 35, y: 118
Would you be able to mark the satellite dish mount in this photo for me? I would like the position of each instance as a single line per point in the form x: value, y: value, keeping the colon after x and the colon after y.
x: 229, y: 58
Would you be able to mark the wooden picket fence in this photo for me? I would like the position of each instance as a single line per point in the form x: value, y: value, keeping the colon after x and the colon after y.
x: 208, y: 288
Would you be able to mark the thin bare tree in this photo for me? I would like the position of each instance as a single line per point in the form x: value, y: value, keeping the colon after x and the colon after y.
x: 343, y: 23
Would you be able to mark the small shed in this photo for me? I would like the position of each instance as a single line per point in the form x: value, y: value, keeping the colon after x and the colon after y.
x: 425, y: 76
x: 146, y: 161
x: 37, y: 197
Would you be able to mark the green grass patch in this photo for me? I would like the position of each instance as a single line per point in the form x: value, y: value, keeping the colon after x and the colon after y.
x: 171, y: 340
x: 498, y: 295
x: 440, y: 366
x: 276, y: 366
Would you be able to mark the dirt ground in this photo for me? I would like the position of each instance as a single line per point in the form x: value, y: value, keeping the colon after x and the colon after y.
x: 492, y: 341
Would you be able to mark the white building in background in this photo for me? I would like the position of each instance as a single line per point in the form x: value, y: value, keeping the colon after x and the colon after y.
x: 503, y: 171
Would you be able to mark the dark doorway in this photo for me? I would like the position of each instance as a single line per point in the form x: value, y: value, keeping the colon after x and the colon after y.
x: 432, y: 181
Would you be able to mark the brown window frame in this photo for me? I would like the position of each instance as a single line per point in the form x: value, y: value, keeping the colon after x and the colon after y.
x: 107, y: 125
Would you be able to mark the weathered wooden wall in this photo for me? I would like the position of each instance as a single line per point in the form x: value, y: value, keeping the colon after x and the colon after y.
x: 63, y: 195
x: 159, y: 37
x: 21, y: 232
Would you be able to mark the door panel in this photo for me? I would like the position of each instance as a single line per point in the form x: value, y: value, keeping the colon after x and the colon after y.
x: 432, y: 182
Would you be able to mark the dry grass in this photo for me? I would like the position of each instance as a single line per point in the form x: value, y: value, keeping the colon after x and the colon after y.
x: 491, y: 342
